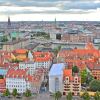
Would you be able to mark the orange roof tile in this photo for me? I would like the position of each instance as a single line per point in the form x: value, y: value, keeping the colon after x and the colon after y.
x: 2, y: 81
x: 42, y: 56
x: 21, y: 51
x: 67, y: 72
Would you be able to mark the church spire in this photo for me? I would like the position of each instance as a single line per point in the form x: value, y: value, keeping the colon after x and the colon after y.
x: 9, y: 22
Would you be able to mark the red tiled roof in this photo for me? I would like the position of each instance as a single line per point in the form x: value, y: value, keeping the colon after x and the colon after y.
x: 21, y: 51
x: 42, y: 56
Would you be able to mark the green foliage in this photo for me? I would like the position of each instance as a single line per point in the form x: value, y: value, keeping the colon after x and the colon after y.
x: 13, y: 38
x: 89, y: 78
x: 4, y: 39
x: 28, y: 93
x: 41, y: 34
x: 1, y: 77
x: 97, y: 96
x: 14, y: 93
x: 6, y: 93
x: 86, y: 96
x: 59, y: 47
x: 84, y: 75
x: 56, y: 50
x: 69, y: 96
x: 15, y: 61
x: 95, y: 85
x: 57, y: 95
x: 75, y: 69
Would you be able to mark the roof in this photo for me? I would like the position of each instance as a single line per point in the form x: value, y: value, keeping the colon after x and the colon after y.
x: 57, y: 69
x: 19, y: 73
x: 67, y: 72
x: 21, y: 51
x: 42, y: 56
x: 2, y: 81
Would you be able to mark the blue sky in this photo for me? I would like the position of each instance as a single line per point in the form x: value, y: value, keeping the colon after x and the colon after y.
x: 20, y: 10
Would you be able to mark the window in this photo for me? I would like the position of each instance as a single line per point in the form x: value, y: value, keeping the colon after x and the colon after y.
x: 56, y: 84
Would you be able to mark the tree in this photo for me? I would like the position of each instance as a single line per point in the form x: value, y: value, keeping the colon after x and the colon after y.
x: 14, y: 93
x: 69, y: 96
x: 6, y: 93
x: 15, y: 61
x: 13, y: 38
x: 95, y: 85
x: 4, y: 39
x: 75, y: 69
x: 89, y: 78
x: 84, y: 75
x: 28, y: 93
x: 59, y: 47
x: 86, y: 96
x: 57, y: 95
x: 97, y: 96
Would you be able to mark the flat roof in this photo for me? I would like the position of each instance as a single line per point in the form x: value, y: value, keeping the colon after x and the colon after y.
x: 57, y: 69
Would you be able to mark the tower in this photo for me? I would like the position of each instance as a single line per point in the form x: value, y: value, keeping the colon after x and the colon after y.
x: 30, y: 56
x: 55, y: 22
x: 9, y: 22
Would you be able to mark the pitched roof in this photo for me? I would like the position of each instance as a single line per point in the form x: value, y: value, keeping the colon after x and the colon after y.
x: 57, y: 69
x: 67, y: 72
x: 42, y: 56
x: 2, y: 81
x: 20, y: 51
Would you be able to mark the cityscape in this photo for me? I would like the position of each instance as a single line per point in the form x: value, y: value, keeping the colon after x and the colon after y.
x: 49, y: 58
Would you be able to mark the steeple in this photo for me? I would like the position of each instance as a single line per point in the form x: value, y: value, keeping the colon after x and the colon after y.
x: 30, y: 56
x: 9, y: 22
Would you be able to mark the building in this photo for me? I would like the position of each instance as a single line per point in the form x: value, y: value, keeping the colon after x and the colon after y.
x: 72, y: 83
x: 16, y: 44
x: 56, y: 78
x: 37, y: 60
x: 2, y: 85
x: 3, y: 72
x: 18, y: 79
x: 82, y: 58
x: 96, y: 72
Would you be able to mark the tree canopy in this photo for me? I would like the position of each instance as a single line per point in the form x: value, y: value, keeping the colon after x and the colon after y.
x: 95, y: 85
x: 97, y: 96
x: 84, y: 75
x: 28, y: 93
x: 86, y: 96
x: 6, y: 93
x: 75, y: 69
x: 57, y: 95
x: 14, y: 93
x: 69, y: 96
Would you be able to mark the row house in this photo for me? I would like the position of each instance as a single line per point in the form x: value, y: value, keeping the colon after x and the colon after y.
x: 71, y: 83
x: 18, y: 79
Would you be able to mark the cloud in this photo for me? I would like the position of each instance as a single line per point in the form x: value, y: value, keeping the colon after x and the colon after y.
x: 51, y: 7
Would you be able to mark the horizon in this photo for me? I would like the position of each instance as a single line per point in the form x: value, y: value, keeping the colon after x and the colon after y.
x: 48, y: 10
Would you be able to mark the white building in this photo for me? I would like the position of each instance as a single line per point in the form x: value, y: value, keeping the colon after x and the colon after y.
x: 56, y: 78
x: 40, y: 60
x: 18, y: 79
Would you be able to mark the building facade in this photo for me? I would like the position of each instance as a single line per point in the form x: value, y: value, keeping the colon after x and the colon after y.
x: 18, y: 79
x: 71, y: 83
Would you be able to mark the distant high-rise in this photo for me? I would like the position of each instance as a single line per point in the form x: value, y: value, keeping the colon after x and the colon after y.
x: 9, y: 22
x: 55, y: 22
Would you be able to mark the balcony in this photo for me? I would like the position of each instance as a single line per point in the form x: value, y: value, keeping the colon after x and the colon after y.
x: 66, y: 86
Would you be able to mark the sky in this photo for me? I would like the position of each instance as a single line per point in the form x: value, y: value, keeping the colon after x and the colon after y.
x: 48, y: 10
